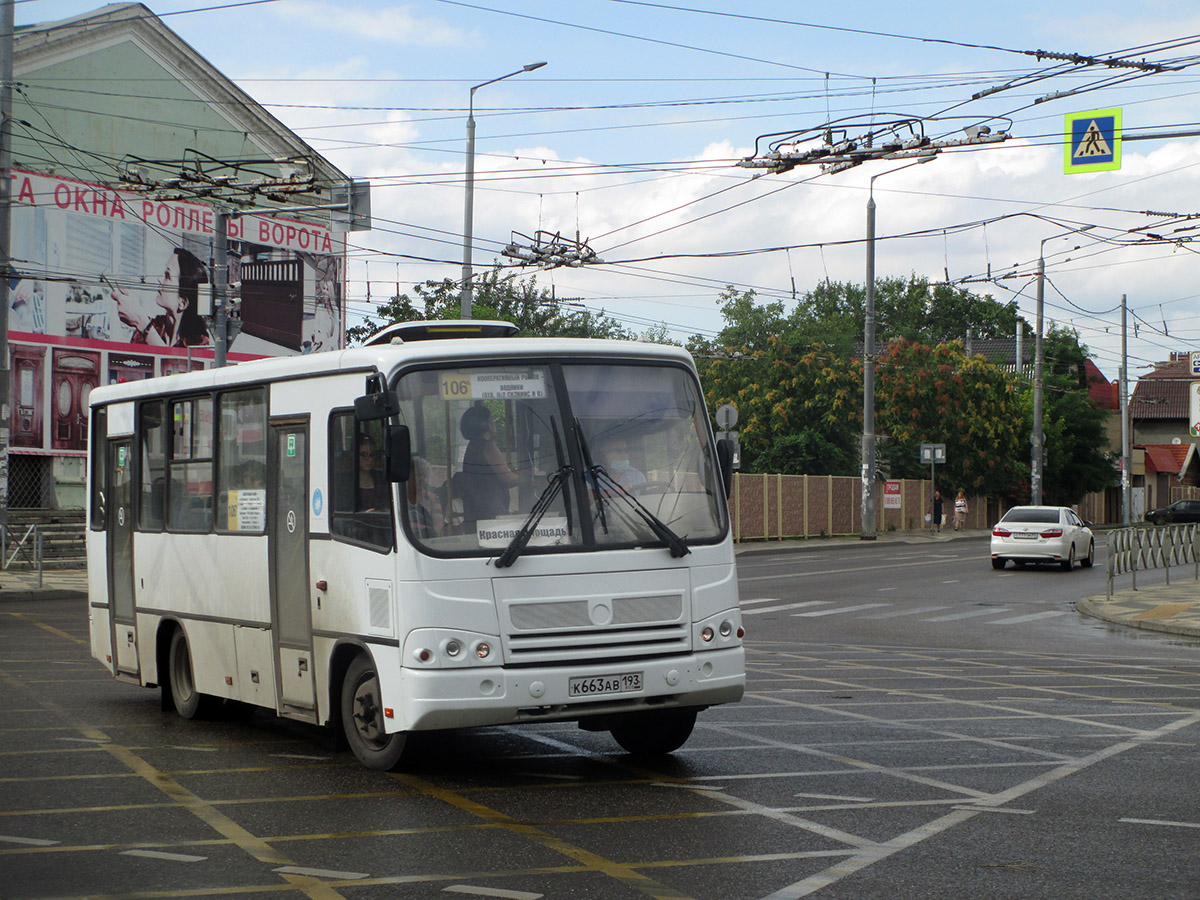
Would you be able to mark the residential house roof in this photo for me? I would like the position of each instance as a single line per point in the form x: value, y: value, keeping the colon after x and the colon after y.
x: 1163, y: 393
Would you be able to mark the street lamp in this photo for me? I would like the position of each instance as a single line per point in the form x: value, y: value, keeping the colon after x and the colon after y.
x: 469, y: 213
x: 867, y: 532
x: 1037, y: 454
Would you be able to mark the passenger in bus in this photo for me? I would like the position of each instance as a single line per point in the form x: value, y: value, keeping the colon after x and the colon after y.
x: 373, y: 492
x: 485, y: 478
x: 424, y: 508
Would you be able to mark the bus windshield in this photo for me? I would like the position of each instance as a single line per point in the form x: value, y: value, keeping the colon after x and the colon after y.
x: 565, y: 455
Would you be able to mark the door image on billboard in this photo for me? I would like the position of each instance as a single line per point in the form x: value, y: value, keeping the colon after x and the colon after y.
x: 123, y: 368
x: 28, y: 372
x: 176, y: 365
x: 72, y: 377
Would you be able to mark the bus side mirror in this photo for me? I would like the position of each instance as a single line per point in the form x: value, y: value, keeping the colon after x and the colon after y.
x: 399, y: 452
x: 377, y: 403
x: 725, y: 461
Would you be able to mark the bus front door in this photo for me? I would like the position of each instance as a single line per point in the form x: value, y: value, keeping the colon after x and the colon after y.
x: 288, y: 543
x: 120, y: 557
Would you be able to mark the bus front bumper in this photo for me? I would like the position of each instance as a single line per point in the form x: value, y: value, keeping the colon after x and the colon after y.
x: 459, y: 698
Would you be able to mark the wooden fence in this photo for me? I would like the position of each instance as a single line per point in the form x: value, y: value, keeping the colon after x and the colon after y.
x: 785, y: 507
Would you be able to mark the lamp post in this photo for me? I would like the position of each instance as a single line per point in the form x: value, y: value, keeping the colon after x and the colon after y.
x: 1037, y: 453
x: 867, y: 530
x: 469, y: 212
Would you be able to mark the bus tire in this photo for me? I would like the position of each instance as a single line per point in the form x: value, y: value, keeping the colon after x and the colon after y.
x: 362, y: 719
x: 189, y: 702
x: 655, y: 733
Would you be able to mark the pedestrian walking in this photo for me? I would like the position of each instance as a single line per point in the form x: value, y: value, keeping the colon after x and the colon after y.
x: 937, y: 510
x: 960, y: 511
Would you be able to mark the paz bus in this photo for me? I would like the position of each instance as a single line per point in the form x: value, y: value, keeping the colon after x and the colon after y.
x: 428, y: 532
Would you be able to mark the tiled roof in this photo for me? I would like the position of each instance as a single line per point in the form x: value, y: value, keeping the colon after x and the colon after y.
x: 1163, y: 393
x: 1169, y: 457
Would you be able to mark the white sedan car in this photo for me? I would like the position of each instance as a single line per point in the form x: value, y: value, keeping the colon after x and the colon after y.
x: 1041, y: 534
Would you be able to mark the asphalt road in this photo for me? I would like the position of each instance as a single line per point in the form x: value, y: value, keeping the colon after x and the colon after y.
x: 917, y: 726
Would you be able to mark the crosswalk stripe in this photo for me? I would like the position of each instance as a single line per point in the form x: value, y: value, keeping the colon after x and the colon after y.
x: 844, y: 609
x: 906, y: 612
x: 1031, y: 617
x: 767, y: 609
x: 966, y: 615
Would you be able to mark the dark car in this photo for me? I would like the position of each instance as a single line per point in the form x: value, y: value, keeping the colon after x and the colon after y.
x: 1179, y: 511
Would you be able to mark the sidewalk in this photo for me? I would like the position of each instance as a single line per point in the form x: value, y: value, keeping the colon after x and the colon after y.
x: 56, y: 584
x: 1173, y: 608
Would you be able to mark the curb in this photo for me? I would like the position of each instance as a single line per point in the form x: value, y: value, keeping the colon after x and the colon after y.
x: 41, y: 594
x: 1095, y: 607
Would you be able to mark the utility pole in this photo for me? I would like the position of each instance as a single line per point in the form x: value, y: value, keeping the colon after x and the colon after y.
x: 6, y: 85
x: 1126, y: 451
x: 220, y: 282
x: 1038, y: 454
x: 867, y: 531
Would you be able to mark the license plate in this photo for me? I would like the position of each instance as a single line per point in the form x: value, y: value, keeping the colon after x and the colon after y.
x: 595, y: 685
x: 1024, y: 536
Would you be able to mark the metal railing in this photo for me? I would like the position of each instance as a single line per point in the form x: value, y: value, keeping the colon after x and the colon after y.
x: 29, y: 547
x: 1151, y: 547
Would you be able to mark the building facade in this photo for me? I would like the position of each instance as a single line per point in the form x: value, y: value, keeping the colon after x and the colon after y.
x: 126, y: 143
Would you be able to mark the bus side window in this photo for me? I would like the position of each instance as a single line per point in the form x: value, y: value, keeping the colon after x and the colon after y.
x: 153, y: 433
x: 360, y: 496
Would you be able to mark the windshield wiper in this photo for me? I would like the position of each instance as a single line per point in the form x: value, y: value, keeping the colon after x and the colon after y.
x: 558, y: 478
x: 677, y: 545
x: 590, y: 467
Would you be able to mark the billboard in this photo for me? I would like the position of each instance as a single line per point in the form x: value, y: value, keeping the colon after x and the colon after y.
x: 110, y: 286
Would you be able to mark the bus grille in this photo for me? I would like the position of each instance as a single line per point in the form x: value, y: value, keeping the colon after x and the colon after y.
x: 585, y: 629
x: 597, y: 643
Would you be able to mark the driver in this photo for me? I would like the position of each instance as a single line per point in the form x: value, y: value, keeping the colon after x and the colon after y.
x: 614, y: 454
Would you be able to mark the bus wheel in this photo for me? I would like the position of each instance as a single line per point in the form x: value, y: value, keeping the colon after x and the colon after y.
x: 188, y: 701
x: 655, y: 733
x: 362, y: 719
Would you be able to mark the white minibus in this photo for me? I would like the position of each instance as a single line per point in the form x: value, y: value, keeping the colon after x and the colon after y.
x: 433, y: 531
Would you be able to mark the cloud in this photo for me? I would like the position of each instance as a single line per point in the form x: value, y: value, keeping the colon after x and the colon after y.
x: 392, y: 24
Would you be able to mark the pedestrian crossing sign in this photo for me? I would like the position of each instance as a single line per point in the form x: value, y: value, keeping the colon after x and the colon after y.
x: 1092, y: 141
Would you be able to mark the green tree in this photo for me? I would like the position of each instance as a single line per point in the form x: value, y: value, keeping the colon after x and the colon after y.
x: 936, y: 394
x: 1078, y: 457
x: 532, y: 309
x: 797, y: 409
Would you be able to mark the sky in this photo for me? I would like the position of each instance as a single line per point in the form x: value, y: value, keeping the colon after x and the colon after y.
x: 630, y: 137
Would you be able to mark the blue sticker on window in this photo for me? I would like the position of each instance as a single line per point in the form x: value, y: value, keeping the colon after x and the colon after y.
x: 318, y: 504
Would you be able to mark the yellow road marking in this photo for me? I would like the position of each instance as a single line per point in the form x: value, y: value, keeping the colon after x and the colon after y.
x: 57, y: 632
x: 626, y: 874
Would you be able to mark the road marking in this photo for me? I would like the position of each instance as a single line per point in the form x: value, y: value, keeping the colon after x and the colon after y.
x: 755, y: 612
x: 1031, y: 617
x: 492, y: 892
x: 1161, y: 822
x: 843, y: 609
x: 760, y: 600
x: 170, y: 857
x: 996, y: 809
x: 331, y: 874
x: 32, y: 842
x: 923, y: 562
x: 953, y: 581
x: 882, y: 590
x: 301, y: 756
x: 835, y: 797
x: 966, y: 615
x: 906, y: 612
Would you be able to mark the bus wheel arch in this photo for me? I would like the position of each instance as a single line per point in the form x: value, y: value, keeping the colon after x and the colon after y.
x: 178, y: 677
x: 361, y: 715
